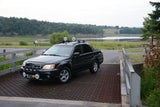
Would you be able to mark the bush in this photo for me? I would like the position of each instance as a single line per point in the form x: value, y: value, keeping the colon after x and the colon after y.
x: 9, y: 44
x: 22, y: 43
x: 58, y: 37
x: 154, y: 98
x: 150, y: 85
x: 148, y: 82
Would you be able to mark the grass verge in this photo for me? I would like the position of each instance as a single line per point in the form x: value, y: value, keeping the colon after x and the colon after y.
x: 116, y: 45
x: 136, y: 58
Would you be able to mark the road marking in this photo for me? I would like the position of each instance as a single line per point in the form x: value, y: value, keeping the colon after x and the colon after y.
x: 56, y: 101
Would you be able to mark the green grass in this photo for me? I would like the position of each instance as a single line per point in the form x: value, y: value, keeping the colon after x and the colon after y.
x: 7, y: 66
x: 3, y: 67
x: 18, y: 46
x: 115, y: 45
x: 136, y: 58
x: 14, y: 42
x: 17, y: 39
x: 135, y: 50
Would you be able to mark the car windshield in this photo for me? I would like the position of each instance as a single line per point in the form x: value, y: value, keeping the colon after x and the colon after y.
x: 59, y: 50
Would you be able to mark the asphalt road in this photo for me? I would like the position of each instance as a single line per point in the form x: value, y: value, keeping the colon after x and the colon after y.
x: 111, y: 56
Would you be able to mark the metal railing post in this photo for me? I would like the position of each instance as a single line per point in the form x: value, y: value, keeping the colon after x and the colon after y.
x: 4, y: 51
x: 14, y: 63
x: 132, y: 81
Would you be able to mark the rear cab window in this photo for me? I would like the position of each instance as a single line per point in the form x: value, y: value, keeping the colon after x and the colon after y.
x: 86, y: 48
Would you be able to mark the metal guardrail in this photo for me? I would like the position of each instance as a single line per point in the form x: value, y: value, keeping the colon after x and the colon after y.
x: 14, y: 59
x: 131, y: 80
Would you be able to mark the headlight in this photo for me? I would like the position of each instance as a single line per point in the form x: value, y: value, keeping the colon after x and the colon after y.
x: 48, y: 66
x: 24, y: 63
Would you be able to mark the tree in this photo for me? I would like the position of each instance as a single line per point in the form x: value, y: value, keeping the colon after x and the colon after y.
x: 58, y: 37
x: 152, y: 23
x: 24, y: 26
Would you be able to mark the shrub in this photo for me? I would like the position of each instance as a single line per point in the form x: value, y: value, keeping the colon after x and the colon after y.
x: 154, y: 98
x: 22, y: 43
x: 58, y: 37
x: 9, y: 44
x: 148, y: 82
x: 150, y: 85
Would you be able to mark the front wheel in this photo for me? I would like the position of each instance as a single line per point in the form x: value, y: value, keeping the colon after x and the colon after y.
x: 94, y: 69
x: 64, y: 75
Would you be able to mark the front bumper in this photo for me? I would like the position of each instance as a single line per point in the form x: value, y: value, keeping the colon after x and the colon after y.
x: 39, y: 74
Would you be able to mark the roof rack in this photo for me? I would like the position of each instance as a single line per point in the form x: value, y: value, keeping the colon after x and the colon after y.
x: 81, y: 41
x: 65, y: 41
x: 73, y: 39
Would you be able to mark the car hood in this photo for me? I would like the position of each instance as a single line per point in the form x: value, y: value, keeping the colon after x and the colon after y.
x: 46, y: 59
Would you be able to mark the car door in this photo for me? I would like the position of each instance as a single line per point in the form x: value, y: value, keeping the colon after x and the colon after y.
x: 77, y: 60
x: 87, y: 55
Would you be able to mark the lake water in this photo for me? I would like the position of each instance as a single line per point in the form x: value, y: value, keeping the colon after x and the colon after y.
x: 133, y: 39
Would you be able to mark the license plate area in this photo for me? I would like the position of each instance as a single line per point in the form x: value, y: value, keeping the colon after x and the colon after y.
x: 30, y: 76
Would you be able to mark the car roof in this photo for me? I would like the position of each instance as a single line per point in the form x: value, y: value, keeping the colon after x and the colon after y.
x: 71, y: 43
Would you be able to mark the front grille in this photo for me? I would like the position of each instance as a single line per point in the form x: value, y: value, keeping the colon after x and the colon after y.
x: 32, y: 67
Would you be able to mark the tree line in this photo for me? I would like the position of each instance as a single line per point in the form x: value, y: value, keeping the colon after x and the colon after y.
x: 22, y: 26
x: 127, y: 30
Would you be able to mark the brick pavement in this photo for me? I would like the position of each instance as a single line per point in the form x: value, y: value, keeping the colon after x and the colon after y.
x: 101, y: 87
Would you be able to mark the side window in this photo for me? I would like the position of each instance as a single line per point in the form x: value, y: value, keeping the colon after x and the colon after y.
x: 78, y: 48
x: 86, y: 49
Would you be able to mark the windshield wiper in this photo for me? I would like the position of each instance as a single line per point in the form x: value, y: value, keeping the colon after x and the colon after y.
x: 53, y: 55
x: 45, y: 54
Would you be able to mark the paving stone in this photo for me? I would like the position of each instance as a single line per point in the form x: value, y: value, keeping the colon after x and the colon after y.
x: 104, y: 86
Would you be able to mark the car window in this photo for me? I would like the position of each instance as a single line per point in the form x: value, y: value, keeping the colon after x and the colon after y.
x: 86, y: 48
x: 78, y: 48
x: 59, y: 50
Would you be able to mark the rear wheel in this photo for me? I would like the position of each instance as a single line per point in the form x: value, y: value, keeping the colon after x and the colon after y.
x: 94, y: 68
x: 64, y: 75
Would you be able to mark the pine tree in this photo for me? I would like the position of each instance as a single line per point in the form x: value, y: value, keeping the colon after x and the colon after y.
x: 152, y: 23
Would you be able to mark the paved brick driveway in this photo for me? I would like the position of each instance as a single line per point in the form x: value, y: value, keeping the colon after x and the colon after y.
x: 101, y: 87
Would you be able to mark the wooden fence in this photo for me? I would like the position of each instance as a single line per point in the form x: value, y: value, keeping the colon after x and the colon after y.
x: 13, y: 59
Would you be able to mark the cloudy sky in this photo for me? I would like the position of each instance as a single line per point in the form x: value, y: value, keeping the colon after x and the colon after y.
x: 98, y: 12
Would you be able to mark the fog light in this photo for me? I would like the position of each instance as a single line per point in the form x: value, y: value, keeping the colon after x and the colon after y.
x: 37, y: 76
x: 33, y: 76
x: 24, y: 74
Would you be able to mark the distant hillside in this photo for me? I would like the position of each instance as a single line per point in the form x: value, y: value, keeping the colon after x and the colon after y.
x: 23, y: 26
x: 122, y: 32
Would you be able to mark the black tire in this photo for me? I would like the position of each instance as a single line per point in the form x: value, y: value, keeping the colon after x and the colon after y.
x: 64, y: 75
x: 95, y: 67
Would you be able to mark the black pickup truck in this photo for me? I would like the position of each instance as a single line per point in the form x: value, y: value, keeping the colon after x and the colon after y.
x: 61, y: 61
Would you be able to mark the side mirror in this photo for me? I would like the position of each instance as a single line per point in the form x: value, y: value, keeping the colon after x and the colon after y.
x: 76, y: 54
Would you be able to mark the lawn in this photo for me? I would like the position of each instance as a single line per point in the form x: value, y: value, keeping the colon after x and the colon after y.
x: 136, y: 58
x: 116, y: 45
x: 14, y: 42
